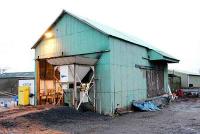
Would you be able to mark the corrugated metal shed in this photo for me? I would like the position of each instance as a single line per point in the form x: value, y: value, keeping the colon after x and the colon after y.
x: 122, y: 74
x: 186, y: 77
x: 184, y: 72
x: 17, y: 75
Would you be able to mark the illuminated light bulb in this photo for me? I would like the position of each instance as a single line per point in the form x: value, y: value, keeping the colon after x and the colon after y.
x: 48, y: 35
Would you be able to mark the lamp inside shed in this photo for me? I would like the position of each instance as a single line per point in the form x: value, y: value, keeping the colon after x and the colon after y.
x: 48, y: 34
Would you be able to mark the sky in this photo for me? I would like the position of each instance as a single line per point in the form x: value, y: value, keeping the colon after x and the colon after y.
x: 170, y: 25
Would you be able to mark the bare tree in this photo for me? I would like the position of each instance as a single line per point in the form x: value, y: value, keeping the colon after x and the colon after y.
x: 3, y: 70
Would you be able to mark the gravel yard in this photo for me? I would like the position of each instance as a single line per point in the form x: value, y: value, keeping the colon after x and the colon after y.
x: 180, y: 117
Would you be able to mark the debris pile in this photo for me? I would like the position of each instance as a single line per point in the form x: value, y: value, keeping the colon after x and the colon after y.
x: 64, y: 114
x: 145, y: 106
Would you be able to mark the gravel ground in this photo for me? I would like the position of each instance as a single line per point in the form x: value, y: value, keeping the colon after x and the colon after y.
x: 181, y: 117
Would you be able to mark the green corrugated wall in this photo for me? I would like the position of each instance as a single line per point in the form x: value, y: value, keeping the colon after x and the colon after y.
x: 128, y: 83
x: 72, y: 37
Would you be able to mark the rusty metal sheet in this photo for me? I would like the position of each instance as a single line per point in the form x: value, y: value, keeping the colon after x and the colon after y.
x: 155, y: 81
x: 72, y: 60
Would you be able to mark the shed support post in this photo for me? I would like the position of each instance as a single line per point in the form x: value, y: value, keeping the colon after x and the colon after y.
x: 188, y: 80
x: 94, y: 88
x: 75, y: 88
x: 37, y: 81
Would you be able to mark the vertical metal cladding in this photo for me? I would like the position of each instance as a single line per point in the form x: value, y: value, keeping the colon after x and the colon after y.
x: 71, y: 36
x: 129, y: 83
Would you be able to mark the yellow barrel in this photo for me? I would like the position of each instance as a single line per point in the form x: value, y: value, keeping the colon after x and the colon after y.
x: 23, y: 95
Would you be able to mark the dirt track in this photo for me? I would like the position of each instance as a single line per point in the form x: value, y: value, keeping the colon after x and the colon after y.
x: 181, y: 117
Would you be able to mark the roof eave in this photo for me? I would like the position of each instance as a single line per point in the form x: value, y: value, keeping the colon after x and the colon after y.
x: 171, y: 60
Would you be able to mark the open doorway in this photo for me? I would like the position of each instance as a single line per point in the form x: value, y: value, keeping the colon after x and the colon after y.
x: 66, y: 81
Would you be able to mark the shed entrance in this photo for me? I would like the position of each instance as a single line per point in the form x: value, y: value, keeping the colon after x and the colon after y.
x: 174, y: 82
x: 155, y: 81
x: 66, y: 80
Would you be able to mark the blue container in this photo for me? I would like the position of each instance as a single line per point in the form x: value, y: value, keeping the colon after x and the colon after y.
x: 5, y: 104
x: 15, y: 98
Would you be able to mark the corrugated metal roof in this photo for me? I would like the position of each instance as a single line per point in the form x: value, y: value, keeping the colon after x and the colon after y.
x: 17, y: 75
x: 72, y: 60
x: 183, y: 72
x: 109, y: 31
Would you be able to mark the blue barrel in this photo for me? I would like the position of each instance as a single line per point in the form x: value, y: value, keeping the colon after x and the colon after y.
x: 15, y: 98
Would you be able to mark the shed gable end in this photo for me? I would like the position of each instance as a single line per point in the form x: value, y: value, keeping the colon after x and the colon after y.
x: 71, y: 36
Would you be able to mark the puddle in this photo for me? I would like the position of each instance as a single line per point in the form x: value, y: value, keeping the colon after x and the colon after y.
x: 196, y: 107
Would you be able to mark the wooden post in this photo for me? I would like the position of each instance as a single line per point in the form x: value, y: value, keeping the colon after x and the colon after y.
x: 54, y: 85
x: 37, y: 79
x: 75, y: 88
x: 94, y: 88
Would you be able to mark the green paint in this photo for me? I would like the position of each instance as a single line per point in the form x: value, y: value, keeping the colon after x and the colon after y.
x: 128, y: 83
x: 71, y: 37
x: 156, y: 56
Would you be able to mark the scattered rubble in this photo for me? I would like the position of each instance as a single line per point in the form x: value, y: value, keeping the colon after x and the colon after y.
x: 180, y: 117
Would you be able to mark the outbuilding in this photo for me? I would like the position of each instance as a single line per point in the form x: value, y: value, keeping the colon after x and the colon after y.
x: 9, y: 82
x: 183, y: 79
x: 95, y: 64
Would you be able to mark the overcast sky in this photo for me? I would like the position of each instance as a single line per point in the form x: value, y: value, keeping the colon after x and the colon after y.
x: 170, y: 25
